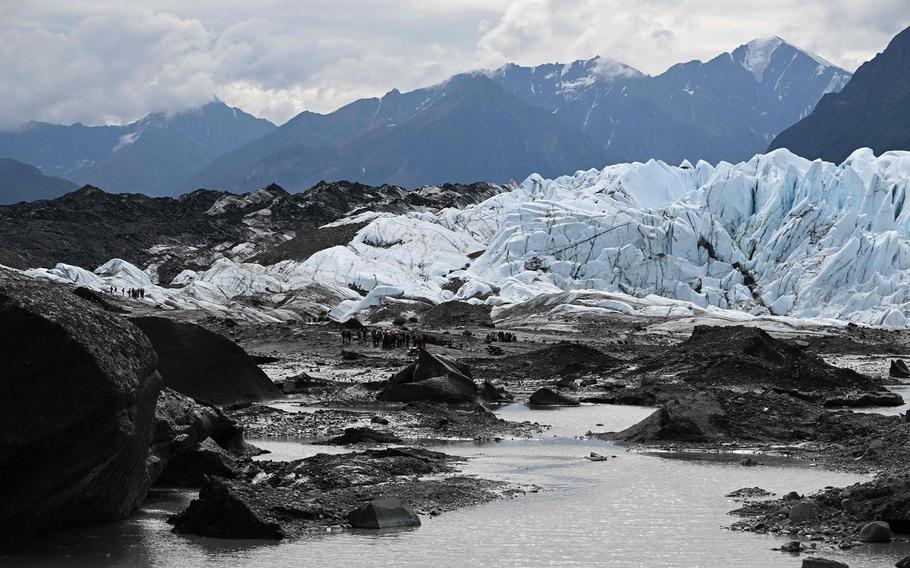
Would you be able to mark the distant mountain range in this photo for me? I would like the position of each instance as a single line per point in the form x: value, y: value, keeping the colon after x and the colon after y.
x: 872, y: 111
x: 493, y: 126
x: 22, y: 182
x: 156, y: 155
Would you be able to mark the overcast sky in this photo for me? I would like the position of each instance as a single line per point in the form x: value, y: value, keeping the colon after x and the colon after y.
x: 107, y: 61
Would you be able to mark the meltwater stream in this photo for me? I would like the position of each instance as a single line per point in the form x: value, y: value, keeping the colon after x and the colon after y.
x: 632, y: 510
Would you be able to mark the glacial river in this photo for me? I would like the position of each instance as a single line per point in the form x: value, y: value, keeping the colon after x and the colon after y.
x: 632, y: 510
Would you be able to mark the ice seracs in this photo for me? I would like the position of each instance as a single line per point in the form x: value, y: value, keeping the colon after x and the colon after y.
x: 777, y: 235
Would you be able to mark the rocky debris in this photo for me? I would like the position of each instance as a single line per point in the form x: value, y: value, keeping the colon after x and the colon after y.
x: 735, y: 355
x: 595, y: 457
x: 455, y: 314
x: 381, y: 420
x: 749, y: 493
x: 571, y: 360
x: 433, y: 379
x: 383, y: 514
x: 876, y: 531
x: 899, y: 369
x: 856, y: 399
x: 275, y: 500
x: 819, y: 562
x: 903, y: 562
x: 204, y: 365
x: 803, y: 512
x: 864, y: 512
x: 548, y: 397
x: 77, y: 411
x: 97, y: 299
x: 363, y: 435
x: 694, y: 419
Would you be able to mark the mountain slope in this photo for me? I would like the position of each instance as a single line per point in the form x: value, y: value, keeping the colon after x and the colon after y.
x: 155, y: 155
x: 872, y: 111
x: 727, y: 108
x: 22, y: 182
x: 460, y: 131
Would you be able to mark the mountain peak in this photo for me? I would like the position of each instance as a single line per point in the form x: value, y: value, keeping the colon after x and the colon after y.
x: 756, y: 55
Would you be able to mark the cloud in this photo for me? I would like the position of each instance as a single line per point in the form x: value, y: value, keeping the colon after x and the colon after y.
x: 97, y: 61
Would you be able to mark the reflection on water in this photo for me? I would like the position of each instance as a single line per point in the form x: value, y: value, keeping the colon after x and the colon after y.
x: 632, y: 510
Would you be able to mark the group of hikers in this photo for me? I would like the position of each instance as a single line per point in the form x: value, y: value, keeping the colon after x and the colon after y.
x: 502, y: 337
x: 135, y: 293
x: 387, y: 339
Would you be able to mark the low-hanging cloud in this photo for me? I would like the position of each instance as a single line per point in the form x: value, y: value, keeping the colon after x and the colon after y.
x: 97, y: 61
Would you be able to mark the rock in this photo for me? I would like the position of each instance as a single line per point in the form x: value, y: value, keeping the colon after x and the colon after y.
x: 77, y: 410
x: 876, y: 531
x: 362, y: 435
x: 226, y: 510
x: 793, y: 495
x: 379, y: 420
x: 383, y: 514
x: 803, y: 512
x: 857, y: 399
x: 903, y: 562
x: 494, y: 393
x: 190, y: 467
x: 348, y: 355
x: 595, y: 457
x: 817, y: 562
x: 204, y: 365
x: 899, y: 369
x: 794, y: 546
x: 691, y: 419
x: 548, y: 397
x: 302, y: 383
x: 431, y: 379
x: 191, y: 441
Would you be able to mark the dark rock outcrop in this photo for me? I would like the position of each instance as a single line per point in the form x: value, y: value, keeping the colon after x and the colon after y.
x: 363, y: 435
x: 856, y: 399
x: 78, y: 391
x: 548, y: 397
x: 432, y: 379
x: 383, y: 514
x: 818, y: 562
x: 204, y: 365
x: 490, y: 392
x: 899, y: 369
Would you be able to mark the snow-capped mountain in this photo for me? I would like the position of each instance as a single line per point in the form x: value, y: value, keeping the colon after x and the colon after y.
x: 547, y: 119
x: 873, y: 110
x: 461, y: 131
x: 155, y: 155
x: 775, y: 236
x: 727, y: 108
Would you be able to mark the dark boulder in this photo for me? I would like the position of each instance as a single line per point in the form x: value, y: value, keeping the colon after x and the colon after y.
x: 363, y: 435
x: 876, y: 531
x: 899, y: 369
x: 228, y: 510
x: 817, y: 562
x: 549, y: 397
x: 903, y: 562
x: 78, y: 389
x: 490, y: 392
x: 431, y: 379
x: 383, y: 514
x: 192, y: 440
x: 204, y: 365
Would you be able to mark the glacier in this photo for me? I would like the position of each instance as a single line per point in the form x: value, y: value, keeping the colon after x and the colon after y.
x: 776, y: 236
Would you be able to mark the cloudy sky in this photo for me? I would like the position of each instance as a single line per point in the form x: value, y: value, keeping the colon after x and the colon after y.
x: 110, y: 61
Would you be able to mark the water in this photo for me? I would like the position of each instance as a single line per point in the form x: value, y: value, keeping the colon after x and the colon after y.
x: 632, y: 510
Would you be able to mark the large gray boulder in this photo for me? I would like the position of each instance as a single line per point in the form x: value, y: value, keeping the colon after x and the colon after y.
x: 204, y: 365
x: 78, y: 392
x: 431, y: 379
x: 383, y: 513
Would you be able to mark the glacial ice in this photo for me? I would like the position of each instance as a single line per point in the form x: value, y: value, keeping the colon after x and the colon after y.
x: 776, y: 236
